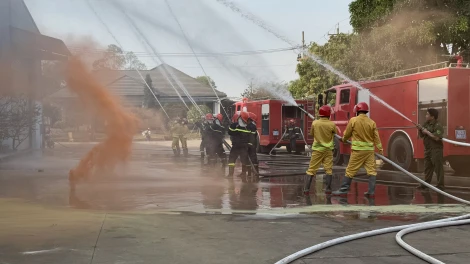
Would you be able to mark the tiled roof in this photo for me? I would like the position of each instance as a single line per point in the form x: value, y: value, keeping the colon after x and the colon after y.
x: 129, y: 83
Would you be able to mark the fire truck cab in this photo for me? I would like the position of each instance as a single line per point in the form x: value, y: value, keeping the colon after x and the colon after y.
x: 272, y: 120
x: 443, y: 87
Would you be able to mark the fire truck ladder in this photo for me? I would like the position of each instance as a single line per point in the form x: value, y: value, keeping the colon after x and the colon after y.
x: 431, y: 67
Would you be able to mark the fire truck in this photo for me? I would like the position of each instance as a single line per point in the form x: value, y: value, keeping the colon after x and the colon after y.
x: 272, y: 119
x: 441, y: 86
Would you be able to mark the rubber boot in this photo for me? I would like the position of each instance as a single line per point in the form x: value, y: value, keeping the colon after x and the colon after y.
x: 243, y: 173
x: 344, y: 189
x: 249, y: 170
x: 231, y: 170
x: 257, y: 169
x: 371, y: 191
x: 176, y: 152
x: 185, y: 152
x: 224, y: 164
x: 328, y: 180
x: 308, y: 184
x: 202, y: 154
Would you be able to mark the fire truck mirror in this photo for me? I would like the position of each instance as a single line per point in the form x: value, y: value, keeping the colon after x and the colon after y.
x: 320, y: 100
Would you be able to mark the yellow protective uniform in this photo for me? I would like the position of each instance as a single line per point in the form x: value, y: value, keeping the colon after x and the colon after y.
x: 176, y: 131
x: 365, y: 138
x: 323, y: 131
x: 184, y: 131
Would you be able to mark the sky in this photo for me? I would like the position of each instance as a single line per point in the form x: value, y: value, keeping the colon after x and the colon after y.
x: 209, y: 26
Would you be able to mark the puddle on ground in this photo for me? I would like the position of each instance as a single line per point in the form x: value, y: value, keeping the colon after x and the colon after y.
x: 158, y: 181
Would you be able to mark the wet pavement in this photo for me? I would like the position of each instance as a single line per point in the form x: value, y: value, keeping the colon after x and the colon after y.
x: 154, y: 179
x: 159, y: 209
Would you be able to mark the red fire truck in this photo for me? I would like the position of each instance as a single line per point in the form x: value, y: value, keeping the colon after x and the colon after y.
x: 443, y: 87
x: 273, y: 117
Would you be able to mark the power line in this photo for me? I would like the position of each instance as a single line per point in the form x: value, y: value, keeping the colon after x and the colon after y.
x: 181, y: 54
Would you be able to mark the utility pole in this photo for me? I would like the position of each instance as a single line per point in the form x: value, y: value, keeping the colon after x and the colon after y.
x: 337, y: 31
x: 300, y: 56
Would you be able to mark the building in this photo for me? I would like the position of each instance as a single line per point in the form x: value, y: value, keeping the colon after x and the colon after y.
x: 22, y: 51
x: 129, y: 85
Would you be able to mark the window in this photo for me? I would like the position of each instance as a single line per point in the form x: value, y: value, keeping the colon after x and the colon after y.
x: 344, y: 96
x: 238, y: 107
x: 331, y: 97
x: 265, y: 111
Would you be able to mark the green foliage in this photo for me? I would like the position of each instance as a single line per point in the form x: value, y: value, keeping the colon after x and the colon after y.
x: 194, y: 114
x: 114, y: 58
x: 206, y: 80
x: 389, y: 36
x: 53, y: 112
x: 149, y: 99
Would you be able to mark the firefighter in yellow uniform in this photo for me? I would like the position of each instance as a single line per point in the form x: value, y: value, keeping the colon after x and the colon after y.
x: 183, y: 136
x: 365, y: 136
x: 323, y: 131
x: 176, y: 129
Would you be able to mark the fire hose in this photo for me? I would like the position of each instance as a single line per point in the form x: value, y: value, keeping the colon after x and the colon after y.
x: 404, y: 229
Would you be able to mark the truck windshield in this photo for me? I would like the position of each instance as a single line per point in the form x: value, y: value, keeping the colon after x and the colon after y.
x: 330, y: 98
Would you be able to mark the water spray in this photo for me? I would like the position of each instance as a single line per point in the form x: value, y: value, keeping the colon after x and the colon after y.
x: 120, y: 46
x: 259, y: 22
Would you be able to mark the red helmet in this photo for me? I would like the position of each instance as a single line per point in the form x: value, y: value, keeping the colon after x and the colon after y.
x: 244, y: 116
x: 252, y: 116
x: 220, y: 117
x: 361, y: 107
x: 235, y: 116
x: 209, y: 116
x: 325, y: 111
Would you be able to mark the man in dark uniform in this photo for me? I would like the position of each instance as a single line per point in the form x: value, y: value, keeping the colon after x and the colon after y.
x: 253, y: 143
x: 240, y: 136
x: 214, y: 141
x: 294, y: 133
x: 432, y: 132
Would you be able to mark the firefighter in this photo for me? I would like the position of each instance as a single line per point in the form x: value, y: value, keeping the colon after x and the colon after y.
x: 252, y: 158
x: 214, y: 141
x: 240, y: 136
x: 294, y: 134
x: 323, y: 131
x: 364, y: 136
x: 175, y: 132
x: 183, y: 136
x: 201, y: 126
x: 432, y: 133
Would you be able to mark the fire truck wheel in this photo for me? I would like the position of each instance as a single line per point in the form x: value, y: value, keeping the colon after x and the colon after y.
x: 337, y: 156
x: 401, y: 153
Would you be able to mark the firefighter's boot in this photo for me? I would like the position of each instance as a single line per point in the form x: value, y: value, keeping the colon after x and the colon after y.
x: 257, y: 169
x: 371, y: 192
x: 224, y: 164
x: 176, y: 152
x: 231, y: 170
x: 328, y: 180
x: 308, y: 183
x: 185, y: 152
x: 344, y: 189
x: 202, y: 154
x: 243, y: 173
x: 249, y: 170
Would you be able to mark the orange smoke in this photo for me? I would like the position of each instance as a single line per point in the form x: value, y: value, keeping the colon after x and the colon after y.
x: 120, y: 124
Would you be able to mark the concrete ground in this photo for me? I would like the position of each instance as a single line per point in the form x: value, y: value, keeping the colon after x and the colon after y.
x: 159, y: 209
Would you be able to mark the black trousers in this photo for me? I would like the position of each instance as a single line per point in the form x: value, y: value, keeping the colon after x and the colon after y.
x: 238, y: 150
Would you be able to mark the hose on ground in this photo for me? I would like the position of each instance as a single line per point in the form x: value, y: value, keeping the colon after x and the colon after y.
x: 352, y: 237
x: 381, y: 231
x: 427, y: 226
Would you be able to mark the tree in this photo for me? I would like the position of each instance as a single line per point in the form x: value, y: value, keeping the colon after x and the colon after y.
x: 18, y: 117
x: 206, y: 80
x: 194, y: 115
x: 114, y: 58
x: 149, y: 99
x: 263, y: 90
x: 52, y: 112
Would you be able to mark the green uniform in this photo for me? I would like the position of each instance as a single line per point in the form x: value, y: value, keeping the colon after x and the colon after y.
x: 433, y: 152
